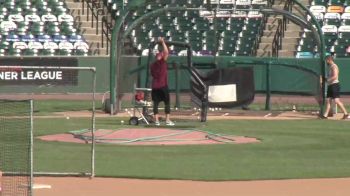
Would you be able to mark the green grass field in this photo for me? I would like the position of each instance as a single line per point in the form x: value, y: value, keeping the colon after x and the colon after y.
x: 289, y: 149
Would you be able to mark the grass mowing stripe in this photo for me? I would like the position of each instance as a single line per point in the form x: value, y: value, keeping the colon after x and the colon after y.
x: 290, y: 149
x: 47, y: 107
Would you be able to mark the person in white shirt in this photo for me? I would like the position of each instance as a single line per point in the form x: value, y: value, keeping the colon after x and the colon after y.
x: 333, y: 88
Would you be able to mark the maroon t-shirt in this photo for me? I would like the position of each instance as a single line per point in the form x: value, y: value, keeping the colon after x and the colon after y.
x: 159, y: 72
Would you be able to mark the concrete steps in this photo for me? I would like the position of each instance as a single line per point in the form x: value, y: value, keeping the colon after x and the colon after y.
x: 291, y: 34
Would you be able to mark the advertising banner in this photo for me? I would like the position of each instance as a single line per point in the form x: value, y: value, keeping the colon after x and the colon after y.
x: 18, y: 75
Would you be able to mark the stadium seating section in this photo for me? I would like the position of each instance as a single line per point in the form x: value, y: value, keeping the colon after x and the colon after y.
x: 38, y: 27
x: 231, y: 33
x: 334, y: 18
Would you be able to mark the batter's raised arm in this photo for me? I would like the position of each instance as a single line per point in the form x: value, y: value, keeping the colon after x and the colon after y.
x: 165, y: 48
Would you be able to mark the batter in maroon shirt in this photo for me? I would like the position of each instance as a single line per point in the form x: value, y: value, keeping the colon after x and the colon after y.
x: 160, y: 90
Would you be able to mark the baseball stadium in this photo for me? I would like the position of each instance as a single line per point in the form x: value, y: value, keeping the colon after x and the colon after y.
x: 174, y: 97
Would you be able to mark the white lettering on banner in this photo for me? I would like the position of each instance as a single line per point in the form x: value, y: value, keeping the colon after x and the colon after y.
x: 44, y: 75
x: 31, y: 75
x: 8, y: 75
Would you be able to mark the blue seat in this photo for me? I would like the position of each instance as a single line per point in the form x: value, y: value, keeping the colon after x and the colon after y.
x: 28, y: 38
x: 59, y: 38
x: 12, y: 38
x: 75, y: 38
x: 44, y: 38
x: 304, y: 55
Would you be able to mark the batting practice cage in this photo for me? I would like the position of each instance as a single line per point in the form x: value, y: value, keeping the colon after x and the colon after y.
x: 16, y: 147
x: 61, y: 92
x: 213, y: 54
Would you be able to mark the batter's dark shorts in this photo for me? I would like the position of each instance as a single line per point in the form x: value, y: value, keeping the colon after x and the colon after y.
x: 159, y: 95
x: 333, y: 91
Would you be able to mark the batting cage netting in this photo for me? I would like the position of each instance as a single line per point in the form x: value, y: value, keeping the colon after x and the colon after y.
x: 64, y: 94
x: 16, y: 147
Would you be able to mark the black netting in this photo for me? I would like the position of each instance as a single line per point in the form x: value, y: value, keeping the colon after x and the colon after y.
x: 15, y: 147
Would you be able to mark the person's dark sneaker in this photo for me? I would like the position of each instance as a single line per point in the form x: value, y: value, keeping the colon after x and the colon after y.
x: 346, y: 116
x: 322, y: 117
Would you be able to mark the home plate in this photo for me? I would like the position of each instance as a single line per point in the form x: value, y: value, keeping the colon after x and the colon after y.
x: 41, y: 186
x: 267, y: 115
x: 36, y: 186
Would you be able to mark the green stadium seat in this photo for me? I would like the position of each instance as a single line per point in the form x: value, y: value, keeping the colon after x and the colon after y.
x: 318, y: 9
x: 194, y: 36
x: 31, y: 52
x: 226, y: 6
x: 195, y: 3
x: 51, y: 28
x: 35, y: 45
x: 243, y: 50
x: 4, y: 44
x: 336, y: 2
x: 345, y: 19
x: 220, y: 35
x: 306, y: 47
x: 16, y: 17
x: 196, y: 46
x: 347, y: 3
x: 225, y: 53
x: 22, y: 28
x: 81, y: 48
x: 344, y: 31
x: 258, y: 4
x: 32, y: 17
x: 157, y: 33
x: 339, y: 50
x: 49, y: 48
x: 21, y: 19
x: 2, y: 52
x: 178, y: 36
x: 330, y: 33
x: 231, y: 33
x: 319, y: 17
x: 228, y: 46
x: 7, y: 26
x: 48, y: 52
x: 201, y: 24
x: 221, y: 24
x: 14, y: 52
x: 332, y: 19
x: 245, y: 45
x: 165, y: 20
x: 237, y: 22
x: 65, y: 48
x: 243, y: 4
x: 319, y: 2
x: 3, y: 14
x: 36, y: 28
x: 343, y: 38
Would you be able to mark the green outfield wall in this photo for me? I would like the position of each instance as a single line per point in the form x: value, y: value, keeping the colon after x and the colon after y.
x: 287, y: 75
x: 284, y: 78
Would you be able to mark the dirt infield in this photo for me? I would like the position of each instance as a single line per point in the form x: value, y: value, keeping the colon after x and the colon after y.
x: 70, y: 186
x: 150, y: 136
